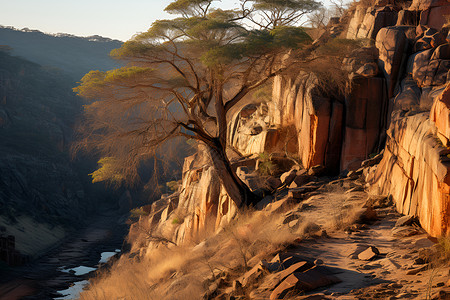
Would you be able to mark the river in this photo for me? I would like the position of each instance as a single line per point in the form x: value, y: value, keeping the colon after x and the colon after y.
x: 70, y: 264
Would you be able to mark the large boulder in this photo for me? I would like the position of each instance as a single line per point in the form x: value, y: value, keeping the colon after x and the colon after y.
x: 435, y: 16
x: 426, y: 4
x: 300, y: 282
x: 440, y: 115
x: 317, y: 119
x: 362, y: 62
x: 415, y: 172
x: 374, y: 20
x: 430, y: 38
x: 365, y: 110
x: 392, y: 44
x: 431, y: 66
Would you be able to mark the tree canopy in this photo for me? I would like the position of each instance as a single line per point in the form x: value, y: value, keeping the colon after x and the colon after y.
x: 184, y: 75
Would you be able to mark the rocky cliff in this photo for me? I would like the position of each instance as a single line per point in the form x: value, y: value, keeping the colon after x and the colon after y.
x: 396, y: 79
x: 349, y: 158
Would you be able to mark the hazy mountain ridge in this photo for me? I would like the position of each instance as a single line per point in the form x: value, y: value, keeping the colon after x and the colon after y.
x: 74, y: 55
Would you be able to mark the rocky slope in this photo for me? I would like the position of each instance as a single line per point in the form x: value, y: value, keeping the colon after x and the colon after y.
x: 396, y: 114
x: 395, y: 82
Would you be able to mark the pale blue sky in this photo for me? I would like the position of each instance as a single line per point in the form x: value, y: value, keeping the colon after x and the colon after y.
x: 109, y: 18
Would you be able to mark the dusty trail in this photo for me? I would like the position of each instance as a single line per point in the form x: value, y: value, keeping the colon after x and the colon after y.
x: 397, y: 272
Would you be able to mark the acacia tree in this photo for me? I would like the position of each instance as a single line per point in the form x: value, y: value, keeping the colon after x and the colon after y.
x: 182, y: 78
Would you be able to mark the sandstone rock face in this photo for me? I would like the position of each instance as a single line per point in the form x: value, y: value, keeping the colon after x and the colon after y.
x: 431, y: 66
x: 414, y: 59
x: 440, y: 115
x: 366, y: 105
x: 392, y: 44
x: 355, y: 22
x: 200, y: 207
x: 316, y: 119
x: 366, y: 23
x: 414, y: 170
x: 393, y: 81
x: 250, y: 132
x: 203, y: 198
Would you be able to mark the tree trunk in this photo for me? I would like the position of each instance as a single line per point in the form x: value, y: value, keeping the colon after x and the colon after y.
x: 234, y: 186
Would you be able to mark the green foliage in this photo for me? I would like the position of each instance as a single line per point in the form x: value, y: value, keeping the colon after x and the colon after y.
x: 108, y: 171
x: 172, y: 185
x: 308, y: 5
x: 186, y: 6
x: 289, y: 37
x: 92, y: 83
x: 266, y: 166
x: 176, y: 220
x: 135, y: 213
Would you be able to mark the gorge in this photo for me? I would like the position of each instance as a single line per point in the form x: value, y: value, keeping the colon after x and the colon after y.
x: 353, y: 179
x: 354, y: 160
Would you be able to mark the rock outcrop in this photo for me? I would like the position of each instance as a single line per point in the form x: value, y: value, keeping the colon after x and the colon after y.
x: 395, y: 81
x: 414, y: 170
x: 414, y: 61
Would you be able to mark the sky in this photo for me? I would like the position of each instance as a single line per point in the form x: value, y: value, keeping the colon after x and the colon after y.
x: 117, y: 19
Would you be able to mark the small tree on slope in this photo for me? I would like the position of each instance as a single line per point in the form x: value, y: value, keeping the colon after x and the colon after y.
x: 182, y: 78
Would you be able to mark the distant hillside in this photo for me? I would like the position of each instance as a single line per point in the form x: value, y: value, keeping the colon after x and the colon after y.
x: 74, y: 55
x: 37, y: 111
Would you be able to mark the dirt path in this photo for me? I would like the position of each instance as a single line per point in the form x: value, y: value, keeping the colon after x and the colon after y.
x: 397, y: 272
x: 41, y: 279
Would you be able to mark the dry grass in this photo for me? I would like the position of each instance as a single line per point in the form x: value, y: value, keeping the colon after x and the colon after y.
x: 185, y: 272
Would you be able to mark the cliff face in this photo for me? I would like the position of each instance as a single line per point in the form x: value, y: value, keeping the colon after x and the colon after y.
x: 389, y: 104
x: 396, y: 80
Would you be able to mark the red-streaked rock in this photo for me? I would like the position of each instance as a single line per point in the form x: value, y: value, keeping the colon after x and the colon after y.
x: 365, y: 106
x: 369, y: 254
x: 303, y: 282
x: 415, y: 172
x: 440, y: 115
x: 434, y: 17
x: 392, y: 44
